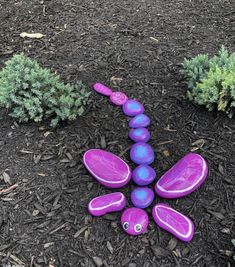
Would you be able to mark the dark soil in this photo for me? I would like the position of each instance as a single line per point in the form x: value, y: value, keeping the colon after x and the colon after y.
x: 136, y: 46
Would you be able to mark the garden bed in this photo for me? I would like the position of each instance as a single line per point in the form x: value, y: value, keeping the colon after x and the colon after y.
x: 135, y: 46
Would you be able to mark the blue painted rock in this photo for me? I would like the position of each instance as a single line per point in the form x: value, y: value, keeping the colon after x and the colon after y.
x: 142, y: 197
x: 183, y: 178
x: 107, y: 168
x: 132, y: 108
x: 107, y: 203
x: 143, y: 175
x: 173, y: 221
x: 139, y: 135
x: 139, y: 121
x: 142, y: 153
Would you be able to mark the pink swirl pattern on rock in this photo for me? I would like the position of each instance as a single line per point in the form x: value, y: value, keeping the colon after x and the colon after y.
x: 102, y: 89
x: 118, y: 98
x: 107, y: 168
x: 173, y: 221
x: 107, y: 203
x: 183, y: 178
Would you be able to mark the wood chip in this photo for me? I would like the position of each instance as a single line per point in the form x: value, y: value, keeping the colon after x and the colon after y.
x: 154, y: 39
x: 172, y: 243
x: 58, y: 228
x: 49, y: 244
x: 110, y: 248
x: 218, y: 215
x: 166, y: 153
x: 80, y: 231
x: 102, y: 142
x: 14, y: 258
x: 32, y: 35
x: 42, y: 174
x: 47, y: 133
x: 115, y: 79
x: 35, y: 212
x: 6, y: 178
x: 228, y: 253
x: 7, y: 190
x: 36, y: 158
x: 98, y: 261
x: 26, y: 151
x: 159, y: 252
x: 226, y: 231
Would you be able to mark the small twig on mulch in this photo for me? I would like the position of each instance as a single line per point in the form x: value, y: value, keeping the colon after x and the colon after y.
x: 13, y: 259
x: 7, y: 190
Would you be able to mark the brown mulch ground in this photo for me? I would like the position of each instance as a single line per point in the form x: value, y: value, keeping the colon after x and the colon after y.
x: 135, y: 46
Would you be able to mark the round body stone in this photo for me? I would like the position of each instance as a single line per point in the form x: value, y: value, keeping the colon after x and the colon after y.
x: 142, y: 153
x: 118, y: 98
x: 139, y: 135
x: 132, y: 108
x: 142, y: 197
x: 138, y: 121
x: 102, y: 89
x: 134, y: 221
x: 143, y: 175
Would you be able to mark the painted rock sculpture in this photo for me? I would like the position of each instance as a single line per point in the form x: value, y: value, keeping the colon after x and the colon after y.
x: 134, y: 221
x: 143, y: 175
x: 142, y: 197
x: 132, y: 108
x: 107, y: 203
x: 139, y: 121
x: 183, y: 178
x: 139, y: 135
x: 142, y: 153
x: 173, y: 221
x: 110, y: 170
x: 107, y: 168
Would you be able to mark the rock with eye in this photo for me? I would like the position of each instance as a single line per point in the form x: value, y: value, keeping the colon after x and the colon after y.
x: 134, y: 221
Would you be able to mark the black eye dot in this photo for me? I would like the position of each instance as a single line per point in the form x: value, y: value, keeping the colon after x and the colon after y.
x: 138, y: 227
x: 125, y: 225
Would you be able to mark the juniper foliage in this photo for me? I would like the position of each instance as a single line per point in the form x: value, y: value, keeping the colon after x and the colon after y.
x: 33, y: 93
x: 211, y: 81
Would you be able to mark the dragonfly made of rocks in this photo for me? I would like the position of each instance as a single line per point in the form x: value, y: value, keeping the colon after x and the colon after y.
x: 113, y: 172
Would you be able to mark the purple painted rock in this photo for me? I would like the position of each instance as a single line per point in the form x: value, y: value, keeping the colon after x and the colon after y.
x: 142, y: 153
x: 139, y: 121
x: 142, y: 197
x: 107, y: 203
x: 102, y: 89
x: 183, y: 178
x: 134, y: 221
x: 118, y: 98
x: 139, y: 135
x: 107, y: 168
x: 143, y: 175
x: 132, y: 108
x: 173, y: 221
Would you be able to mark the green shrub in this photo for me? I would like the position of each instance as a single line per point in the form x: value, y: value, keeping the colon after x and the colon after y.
x: 211, y: 81
x: 32, y: 93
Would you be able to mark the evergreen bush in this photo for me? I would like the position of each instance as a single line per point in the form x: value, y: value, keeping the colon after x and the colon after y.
x: 33, y: 93
x: 211, y: 81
